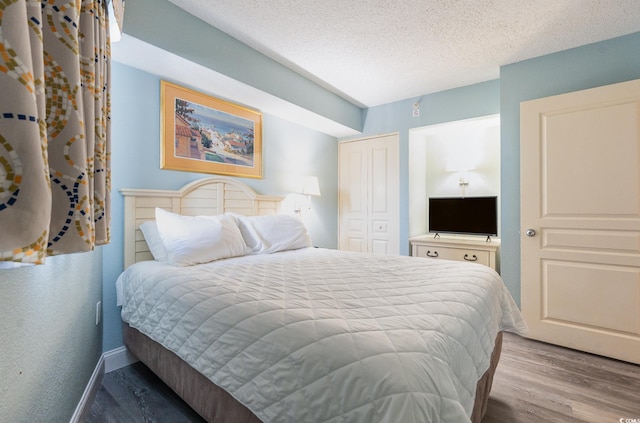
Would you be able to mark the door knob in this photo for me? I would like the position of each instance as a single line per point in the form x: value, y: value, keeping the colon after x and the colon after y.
x: 530, y: 232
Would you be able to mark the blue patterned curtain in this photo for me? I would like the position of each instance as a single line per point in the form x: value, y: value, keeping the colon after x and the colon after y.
x: 54, y: 128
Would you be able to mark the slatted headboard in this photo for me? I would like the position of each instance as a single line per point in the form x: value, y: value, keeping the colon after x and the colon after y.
x: 208, y: 196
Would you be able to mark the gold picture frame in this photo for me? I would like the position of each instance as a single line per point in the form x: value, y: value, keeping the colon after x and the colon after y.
x: 201, y: 133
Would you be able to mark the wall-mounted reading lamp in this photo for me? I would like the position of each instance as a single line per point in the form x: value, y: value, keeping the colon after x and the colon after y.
x: 310, y: 187
x: 462, y: 160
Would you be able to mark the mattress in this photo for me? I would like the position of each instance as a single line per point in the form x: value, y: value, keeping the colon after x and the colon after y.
x: 324, y: 336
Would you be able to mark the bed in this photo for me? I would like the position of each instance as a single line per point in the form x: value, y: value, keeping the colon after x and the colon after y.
x: 307, y: 334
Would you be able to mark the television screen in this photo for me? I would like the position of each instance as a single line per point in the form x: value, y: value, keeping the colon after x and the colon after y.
x: 464, y: 215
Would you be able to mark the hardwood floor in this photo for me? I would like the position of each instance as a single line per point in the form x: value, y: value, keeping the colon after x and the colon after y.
x: 134, y: 394
x: 534, y: 383
x: 538, y: 382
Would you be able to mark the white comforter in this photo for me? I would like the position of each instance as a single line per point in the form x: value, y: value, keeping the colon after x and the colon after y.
x: 317, y: 335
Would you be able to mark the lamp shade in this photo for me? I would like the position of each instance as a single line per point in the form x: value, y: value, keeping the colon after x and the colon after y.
x: 311, y: 186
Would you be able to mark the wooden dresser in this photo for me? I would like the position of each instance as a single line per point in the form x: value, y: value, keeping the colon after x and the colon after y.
x: 461, y: 248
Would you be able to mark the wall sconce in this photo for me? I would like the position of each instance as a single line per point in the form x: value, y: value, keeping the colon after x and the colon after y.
x: 463, y: 182
x: 464, y: 155
x: 310, y: 187
x: 461, y: 163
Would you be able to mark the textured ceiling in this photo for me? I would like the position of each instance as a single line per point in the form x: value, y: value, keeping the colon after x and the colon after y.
x: 378, y: 51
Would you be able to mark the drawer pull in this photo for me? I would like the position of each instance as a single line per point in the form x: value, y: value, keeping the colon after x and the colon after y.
x: 472, y: 258
x: 430, y: 254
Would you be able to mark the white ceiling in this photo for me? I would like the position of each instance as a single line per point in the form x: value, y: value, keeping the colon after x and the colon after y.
x: 373, y: 52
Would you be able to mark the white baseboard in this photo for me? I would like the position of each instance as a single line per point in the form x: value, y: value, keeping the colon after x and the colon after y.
x: 108, y: 362
x: 117, y: 359
x: 89, y: 393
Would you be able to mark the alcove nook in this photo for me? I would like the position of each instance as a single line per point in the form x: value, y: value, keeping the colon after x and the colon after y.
x: 453, y: 159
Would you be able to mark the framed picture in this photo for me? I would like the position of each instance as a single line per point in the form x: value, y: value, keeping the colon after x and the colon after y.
x: 200, y: 133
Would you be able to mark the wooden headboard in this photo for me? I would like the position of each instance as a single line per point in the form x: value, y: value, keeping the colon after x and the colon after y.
x: 208, y: 196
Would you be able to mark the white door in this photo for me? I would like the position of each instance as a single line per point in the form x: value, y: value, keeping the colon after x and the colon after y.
x: 369, y: 195
x: 580, y: 219
x: 352, y: 197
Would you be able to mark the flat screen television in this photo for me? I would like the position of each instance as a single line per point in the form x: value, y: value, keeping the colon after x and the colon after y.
x: 464, y: 215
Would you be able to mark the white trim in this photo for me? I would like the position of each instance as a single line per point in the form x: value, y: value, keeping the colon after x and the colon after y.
x: 89, y: 393
x: 117, y: 359
x: 108, y: 362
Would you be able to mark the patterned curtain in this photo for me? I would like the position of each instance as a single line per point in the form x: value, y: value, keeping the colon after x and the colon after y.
x: 54, y: 128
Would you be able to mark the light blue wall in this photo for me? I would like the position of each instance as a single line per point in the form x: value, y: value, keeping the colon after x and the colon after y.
x: 461, y: 103
x: 585, y: 67
x: 289, y: 150
x: 581, y: 68
x: 49, y: 341
x: 162, y: 24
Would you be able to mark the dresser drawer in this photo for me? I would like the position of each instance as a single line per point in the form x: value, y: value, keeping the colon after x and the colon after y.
x: 458, y: 254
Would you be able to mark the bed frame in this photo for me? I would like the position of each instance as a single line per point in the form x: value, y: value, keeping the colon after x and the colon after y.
x: 208, y: 196
x: 211, y: 196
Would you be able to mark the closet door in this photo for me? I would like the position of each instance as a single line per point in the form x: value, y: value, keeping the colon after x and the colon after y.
x: 580, y: 217
x: 369, y: 195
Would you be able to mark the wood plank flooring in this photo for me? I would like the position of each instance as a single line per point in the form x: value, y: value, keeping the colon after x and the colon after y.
x: 534, y: 383
x: 542, y: 383
x: 134, y: 394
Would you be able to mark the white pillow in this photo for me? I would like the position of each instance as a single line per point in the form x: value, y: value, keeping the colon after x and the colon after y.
x: 273, y: 233
x: 150, y: 232
x: 191, y: 240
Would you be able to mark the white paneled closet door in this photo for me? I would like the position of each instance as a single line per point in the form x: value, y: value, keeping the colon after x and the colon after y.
x: 369, y: 195
x: 580, y: 217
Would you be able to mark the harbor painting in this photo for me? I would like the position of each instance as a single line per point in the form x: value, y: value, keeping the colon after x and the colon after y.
x: 209, y: 135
